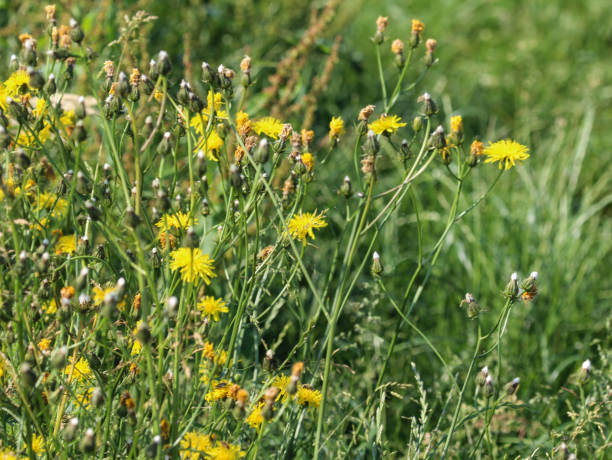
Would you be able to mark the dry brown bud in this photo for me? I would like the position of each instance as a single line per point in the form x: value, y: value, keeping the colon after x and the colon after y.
x: 366, y: 112
x: 381, y: 23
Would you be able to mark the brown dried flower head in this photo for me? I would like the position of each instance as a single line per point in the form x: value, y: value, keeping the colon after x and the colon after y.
x: 381, y: 23
x: 245, y: 64
x: 307, y: 137
x: 366, y: 112
x: 431, y: 44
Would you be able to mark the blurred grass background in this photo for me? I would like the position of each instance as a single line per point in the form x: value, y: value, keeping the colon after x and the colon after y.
x: 534, y: 70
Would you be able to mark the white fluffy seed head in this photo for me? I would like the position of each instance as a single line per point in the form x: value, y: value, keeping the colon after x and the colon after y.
x: 167, y: 135
x: 73, y: 22
x: 586, y: 365
x: 514, y: 276
x: 534, y: 275
x: 376, y: 256
x: 516, y: 381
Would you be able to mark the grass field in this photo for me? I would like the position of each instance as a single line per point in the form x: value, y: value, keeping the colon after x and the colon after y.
x: 225, y: 269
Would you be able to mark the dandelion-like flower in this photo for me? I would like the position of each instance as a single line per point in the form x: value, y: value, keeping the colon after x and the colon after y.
x: 308, y: 397
x: 193, y: 264
x: 269, y: 126
x: 507, y: 152
x: 282, y: 383
x: 302, y: 225
x: 79, y: 370
x: 38, y: 444
x: 211, y: 307
x: 178, y: 220
x: 336, y: 127
x: 65, y: 244
x: 255, y: 418
x: 51, y: 202
x: 388, y: 124
x: 17, y: 83
x: 225, y: 451
x: 194, y: 445
x: 100, y: 293
x: 308, y: 160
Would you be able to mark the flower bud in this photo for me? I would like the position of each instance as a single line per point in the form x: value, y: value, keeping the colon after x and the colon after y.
x: 377, y: 267
x: 512, y: 288
x: 346, y: 188
x: 58, y: 358
x: 165, y: 146
x: 512, y: 386
x: 70, y: 430
x: 438, y: 139
x: 153, y: 448
x: 262, y: 152
x: 585, y: 372
x: 143, y: 333
x: 472, y: 307
x: 489, y: 387
x: 429, y: 106
x: 163, y: 65
x: 79, y: 134
x: 76, y: 33
x: 36, y: 79
x: 97, y: 397
x: 88, y: 442
x: 171, y: 307
x: 27, y: 374
x: 482, y: 376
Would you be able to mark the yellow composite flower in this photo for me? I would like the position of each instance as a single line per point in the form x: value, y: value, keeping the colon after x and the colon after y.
x: 211, y: 307
x: 65, y: 244
x: 269, y: 126
x: 44, y: 344
x: 178, y: 220
x: 302, y: 225
x: 18, y: 83
x: 194, y: 445
x: 308, y: 397
x: 38, y: 444
x: 51, y: 202
x: 84, y: 397
x: 224, y: 451
x: 507, y: 152
x: 308, y: 161
x: 50, y: 308
x: 193, y: 265
x: 456, y: 123
x: 211, y: 145
x: 241, y: 119
x: 79, y: 370
x: 336, y: 127
x: 387, y: 124
x: 99, y: 293
x: 3, y: 95
x: 255, y: 418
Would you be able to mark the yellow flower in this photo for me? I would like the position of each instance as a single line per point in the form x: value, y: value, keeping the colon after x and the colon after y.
x: 84, y: 397
x: 506, y: 152
x: 417, y: 27
x: 220, y: 390
x: 79, y: 371
x: 136, y: 348
x: 44, y: 344
x: 38, y: 444
x: 255, y: 418
x: 99, y: 293
x: 225, y: 451
x: 66, y: 244
x: 456, y: 123
x: 6, y: 454
x: 270, y: 126
x: 3, y: 96
x: 193, y: 264
x: 301, y: 225
x: 194, y: 445
x: 281, y: 382
x: 211, y: 307
x: 308, y: 160
x: 241, y: 119
x: 308, y: 397
x: 51, y: 202
x: 17, y: 83
x: 50, y: 307
x: 336, y: 127
x: 210, y: 359
x: 386, y: 124
x: 211, y: 145
x: 476, y: 148
x: 179, y: 220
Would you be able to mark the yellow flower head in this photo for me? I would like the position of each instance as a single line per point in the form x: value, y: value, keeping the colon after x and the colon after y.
x: 269, y: 126
x: 211, y: 307
x: 38, y: 444
x: 281, y: 382
x: 386, y: 124
x: 255, y: 418
x: 336, y: 127
x: 456, y: 123
x: 211, y: 145
x: 17, y: 83
x: 44, y: 344
x: 51, y: 202
x: 308, y: 397
x: 308, y: 160
x: 301, y: 225
x: 225, y: 451
x: 241, y: 119
x: 65, y: 244
x: 79, y: 370
x: 178, y: 220
x: 50, y: 307
x: 417, y: 27
x: 506, y: 152
x: 99, y: 294
x: 193, y: 265
x: 195, y: 445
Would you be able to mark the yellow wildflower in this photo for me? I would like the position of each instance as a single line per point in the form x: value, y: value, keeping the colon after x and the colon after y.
x: 99, y: 293
x: 83, y: 397
x: 17, y: 83
x: 456, y: 123
x: 506, y: 152
x: 178, y: 220
x: 308, y: 397
x: 38, y: 444
x: 225, y: 451
x: 51, y: 202
x: 44, y: 344
x: 336, y: 127
x: 282, y: 383
x: 308, y: 160
x: 211, y: 145
x: 50, y: 307
x: 136, y: 348
x: 78, y: 370
x: 302, y: 225
x: 65, y: 244
x: 255, y: 418
x: 195, y: 445
x: 269, y: 126
x: 417, y: 27
x: 387, y: 124
x: 193, y: 264
x: 211, y: 307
